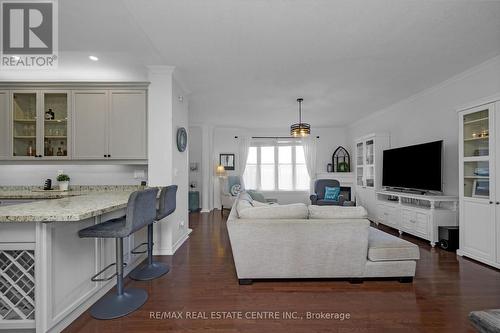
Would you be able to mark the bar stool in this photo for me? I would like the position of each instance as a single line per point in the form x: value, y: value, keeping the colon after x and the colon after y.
x: 155, y: 269
x: 141, y: 211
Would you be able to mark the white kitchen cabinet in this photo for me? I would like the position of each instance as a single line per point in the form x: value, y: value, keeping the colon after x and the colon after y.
x: 479, y: 190
x: 90, y: 124
x: 73, y: 121
x: 4, y: 124
x: 110, y: 124
x: 369, y: 152
x: 127, y: 125
x: 39, y: 124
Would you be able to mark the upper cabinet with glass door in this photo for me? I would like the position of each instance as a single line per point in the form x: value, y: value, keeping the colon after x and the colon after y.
x: 359, y: 164
x: 40, y: 124
x: 24, y: 127
x: 55, y: 124
x: 476, y: 153
x: 370, y: 163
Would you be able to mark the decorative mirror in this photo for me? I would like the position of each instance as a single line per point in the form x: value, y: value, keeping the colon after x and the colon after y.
x: 181, y: 139
x: 341, y: 160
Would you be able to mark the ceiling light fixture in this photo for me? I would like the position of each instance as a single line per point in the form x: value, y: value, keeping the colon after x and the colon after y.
x: 93, y: 58
x: 300, y: 129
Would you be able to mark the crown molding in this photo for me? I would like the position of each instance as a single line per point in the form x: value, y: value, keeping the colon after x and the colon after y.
x: 160, y: 69
x: 72, y: 84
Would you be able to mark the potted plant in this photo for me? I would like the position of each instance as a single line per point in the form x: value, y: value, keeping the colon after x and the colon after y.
x: 63, y: 182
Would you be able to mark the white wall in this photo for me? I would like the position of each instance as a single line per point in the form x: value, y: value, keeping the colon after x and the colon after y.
x: 166, y: 164
x: 179, y: 220
x: 224, y: 141
x: 431, y: 115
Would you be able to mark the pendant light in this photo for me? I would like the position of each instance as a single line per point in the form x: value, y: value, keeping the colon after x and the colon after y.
x: 300, y: 129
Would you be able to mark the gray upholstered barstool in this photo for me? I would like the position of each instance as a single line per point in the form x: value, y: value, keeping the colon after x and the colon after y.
x: 141, y: 211
x: 154, y: 269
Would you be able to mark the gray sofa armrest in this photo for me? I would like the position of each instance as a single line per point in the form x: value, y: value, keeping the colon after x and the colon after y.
x: 314, y: 199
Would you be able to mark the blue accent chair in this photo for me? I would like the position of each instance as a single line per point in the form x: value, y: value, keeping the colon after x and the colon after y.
x: 318, y: 197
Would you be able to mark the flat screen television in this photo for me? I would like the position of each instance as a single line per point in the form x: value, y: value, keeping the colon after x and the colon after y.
x: 416, y: 167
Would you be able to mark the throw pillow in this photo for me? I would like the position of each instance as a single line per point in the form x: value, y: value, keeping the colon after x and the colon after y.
x: 332, y: 193
x: 235, y: 189
x: 245, y: 197
x: 256, y: 195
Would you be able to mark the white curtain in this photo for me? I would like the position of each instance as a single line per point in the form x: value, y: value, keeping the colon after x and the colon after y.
x: 310, y: 156
x: 243, y: 148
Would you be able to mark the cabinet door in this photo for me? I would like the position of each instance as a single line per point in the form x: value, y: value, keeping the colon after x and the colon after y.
x: 360, y: 196
x: 422, y: 223
x: 477, y: 228
x: 383, y: 214
x: 127, y: 125
x: 90, y: 124
x: 393, y: 219
x: 25, y: 128
x: 56, y: 119
x: 407, y: 220
x: 4, y: 125
x: 371, y: 204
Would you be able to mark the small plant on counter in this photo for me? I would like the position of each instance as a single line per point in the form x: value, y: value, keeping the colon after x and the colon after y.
x: 63, y: 178
x: 63, y: 182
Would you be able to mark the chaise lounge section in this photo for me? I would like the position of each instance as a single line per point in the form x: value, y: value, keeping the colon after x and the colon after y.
x: 323, y: 247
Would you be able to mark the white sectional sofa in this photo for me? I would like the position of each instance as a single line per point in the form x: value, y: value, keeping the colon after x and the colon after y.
x: 282, y: 242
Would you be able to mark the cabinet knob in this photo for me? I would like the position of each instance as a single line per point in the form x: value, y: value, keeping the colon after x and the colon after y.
x: 498, y: 202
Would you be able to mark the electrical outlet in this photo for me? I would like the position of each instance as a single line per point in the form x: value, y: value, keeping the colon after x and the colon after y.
x: 181, y: 224
x: 139, y: 174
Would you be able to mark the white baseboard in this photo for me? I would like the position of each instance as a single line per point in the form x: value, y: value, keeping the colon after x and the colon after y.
x: 205, y: 211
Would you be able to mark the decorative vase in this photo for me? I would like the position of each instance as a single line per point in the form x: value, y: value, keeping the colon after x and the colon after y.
x: 64, y: 186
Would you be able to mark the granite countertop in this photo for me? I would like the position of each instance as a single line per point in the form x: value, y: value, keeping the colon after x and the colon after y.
x: 75, y: 205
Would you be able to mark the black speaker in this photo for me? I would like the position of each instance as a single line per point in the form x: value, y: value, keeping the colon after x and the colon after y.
x: 448, y: 238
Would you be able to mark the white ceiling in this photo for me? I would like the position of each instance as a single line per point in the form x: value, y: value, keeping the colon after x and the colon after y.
x: 245, y: 62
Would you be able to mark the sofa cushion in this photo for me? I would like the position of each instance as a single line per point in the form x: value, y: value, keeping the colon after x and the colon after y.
x: 256, y: 195
x: 244, y: 196
x: 337, y: 212
x: 272, y: 212
x: 385, y: 247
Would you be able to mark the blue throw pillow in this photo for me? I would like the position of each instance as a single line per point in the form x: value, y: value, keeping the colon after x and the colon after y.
x: 332, y: 193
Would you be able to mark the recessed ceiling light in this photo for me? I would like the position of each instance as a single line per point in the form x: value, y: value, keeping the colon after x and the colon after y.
x: 93, y: 58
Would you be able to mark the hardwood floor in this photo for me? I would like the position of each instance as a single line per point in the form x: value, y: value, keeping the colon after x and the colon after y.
x: 203, y: 279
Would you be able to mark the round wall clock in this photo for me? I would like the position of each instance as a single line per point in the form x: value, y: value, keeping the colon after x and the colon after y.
x: 181, y: 139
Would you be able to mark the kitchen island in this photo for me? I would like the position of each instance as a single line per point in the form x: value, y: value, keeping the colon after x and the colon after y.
x: 45, y: 268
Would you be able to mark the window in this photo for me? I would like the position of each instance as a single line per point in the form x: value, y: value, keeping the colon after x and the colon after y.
x: 276, y: 167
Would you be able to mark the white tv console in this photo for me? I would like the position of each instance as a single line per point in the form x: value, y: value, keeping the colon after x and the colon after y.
x: 416, y: 214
